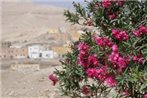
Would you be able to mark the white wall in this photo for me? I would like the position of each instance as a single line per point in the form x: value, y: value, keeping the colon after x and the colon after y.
x: 38, y: 51
x: 34, y: 51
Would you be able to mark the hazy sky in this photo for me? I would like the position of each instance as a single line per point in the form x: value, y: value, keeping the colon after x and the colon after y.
x: 60, y: 3
x: 50, y: 0
x: 57, y: 0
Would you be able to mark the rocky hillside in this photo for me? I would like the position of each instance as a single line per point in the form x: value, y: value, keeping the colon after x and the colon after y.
x: 27, y: 21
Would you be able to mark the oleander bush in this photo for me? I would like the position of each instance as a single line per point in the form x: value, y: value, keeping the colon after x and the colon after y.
x: 115, y: 59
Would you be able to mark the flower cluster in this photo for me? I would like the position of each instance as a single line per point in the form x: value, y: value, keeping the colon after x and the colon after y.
x: 85, y: 90
x: 84, y: 58
x: 112, y: 16
x: 111, y: 81
x: 145, y: 95
x: 53, y: 78
x: 92, y: 60
x: 103, y: 41
x: 83, y: 54
x: 126, y: 93
x: 140, y: 31
x: 138, y: 58
x: 121, y: 3
x: 117, y: 59
x: 93, y: 67
x: 102, y: 75
x: 120, y: 35
x: 98, y: 73
x: 108, y: 3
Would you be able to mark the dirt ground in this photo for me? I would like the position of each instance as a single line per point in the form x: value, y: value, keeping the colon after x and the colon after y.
x: 16, y: 84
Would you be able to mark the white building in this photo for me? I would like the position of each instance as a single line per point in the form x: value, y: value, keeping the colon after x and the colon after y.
x: 35, y: 51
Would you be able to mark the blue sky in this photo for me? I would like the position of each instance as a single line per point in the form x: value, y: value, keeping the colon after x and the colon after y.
x: 60, y: 3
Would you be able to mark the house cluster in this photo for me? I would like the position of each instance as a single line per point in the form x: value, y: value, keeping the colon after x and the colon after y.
x: 31, y: 51
x: 38, y: 50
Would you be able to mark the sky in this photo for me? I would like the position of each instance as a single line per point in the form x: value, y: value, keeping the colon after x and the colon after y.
x: 57, y: 0
x: 50, y: 0
x: 60, y: 3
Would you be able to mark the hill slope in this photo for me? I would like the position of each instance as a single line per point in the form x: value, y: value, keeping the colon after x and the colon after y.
x: 27, y: 21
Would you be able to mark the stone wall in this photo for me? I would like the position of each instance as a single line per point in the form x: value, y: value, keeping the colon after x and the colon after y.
x: 25, y: 67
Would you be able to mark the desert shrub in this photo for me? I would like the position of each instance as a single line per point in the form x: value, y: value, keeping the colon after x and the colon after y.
x: 115, y: 59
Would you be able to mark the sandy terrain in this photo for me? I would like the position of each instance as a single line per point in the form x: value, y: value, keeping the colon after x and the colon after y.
x: 27, y: 83
x: 35, y: 84
x: 27, y: 21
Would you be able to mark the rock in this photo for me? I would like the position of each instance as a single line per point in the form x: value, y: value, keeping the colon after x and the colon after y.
x: 11, y: 93
x: 52, y: 95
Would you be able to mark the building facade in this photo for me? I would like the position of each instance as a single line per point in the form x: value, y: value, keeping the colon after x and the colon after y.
x: 38, y: 51
x: 13, y: 53
x: 34, y: 51
x: 5, y: 44
x: 60, y: 50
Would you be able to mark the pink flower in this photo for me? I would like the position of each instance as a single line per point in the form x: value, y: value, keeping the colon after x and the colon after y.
x: 138, y: 59
x: 145, y: 95
x: 85, y: 90
x: 53, y: 78
x: 127, y: 59
x: 93, y: 60
x: 83, y: 54
x: 137, y: 33
x: 101, y: 70
x: 99, y: 41
x: 82, y: 60
x: 103, y: 41
x: 113, y: 57
x: 141, y: 30
x: 115, y: 31
x: 115, y: 48
x: 121, y: 2
x: 121, y: 63
x: 111, y: 81
x: 91, y: 72
x: 112, y: 16
x: 141, y: 60
x: 83, y: 46
x: 106, y: 3
x: 107, y: 42
x: 116, y: 59
x: 124, y: 35
x: 120, y: 35
x: 126, y: 93
x: 101, y: 73
x: 119, y: 71
x: 101, y: 77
